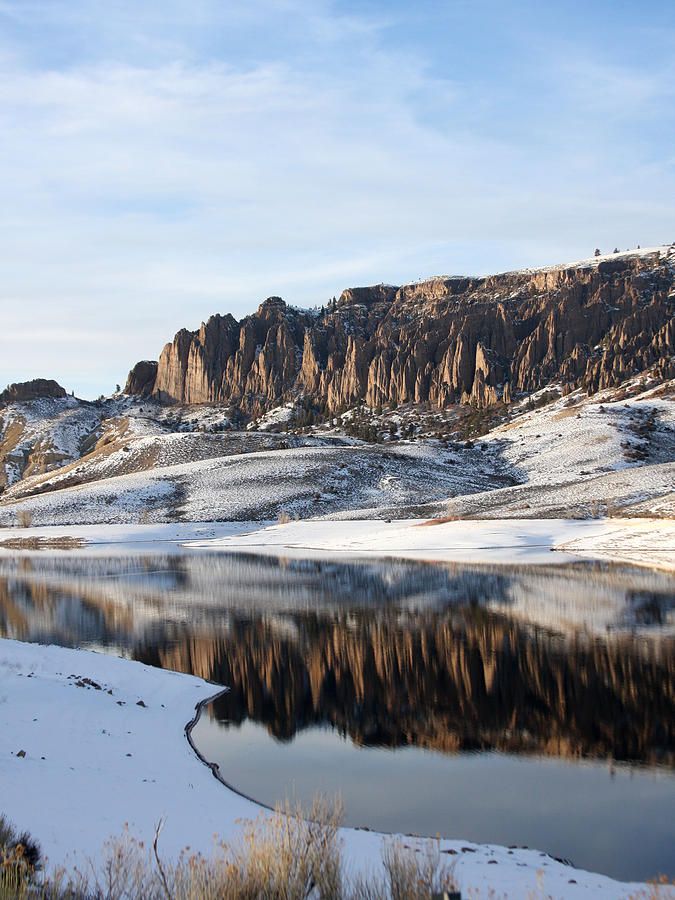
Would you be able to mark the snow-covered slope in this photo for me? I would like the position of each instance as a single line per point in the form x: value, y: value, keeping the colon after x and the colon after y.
x: 41, y: 435
x: 299, y: 482
x: 580, y: 456
x: 574, y: 456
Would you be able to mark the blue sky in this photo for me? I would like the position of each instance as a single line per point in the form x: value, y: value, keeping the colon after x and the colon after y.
x: 162, y: 161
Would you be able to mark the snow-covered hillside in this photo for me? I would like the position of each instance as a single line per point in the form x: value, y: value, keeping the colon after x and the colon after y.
x: 580, y: 456
x: 43, y: 434
x: 136, y: 461
x: 299, y: 482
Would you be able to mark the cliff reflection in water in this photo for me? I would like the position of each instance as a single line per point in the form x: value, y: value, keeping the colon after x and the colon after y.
x: 391, y: 655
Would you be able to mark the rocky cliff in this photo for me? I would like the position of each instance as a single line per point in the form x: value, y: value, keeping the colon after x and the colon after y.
x: 444, y: 340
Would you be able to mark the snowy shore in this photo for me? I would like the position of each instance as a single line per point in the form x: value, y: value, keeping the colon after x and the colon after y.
x: 80, y: 758
x: 645, y: 542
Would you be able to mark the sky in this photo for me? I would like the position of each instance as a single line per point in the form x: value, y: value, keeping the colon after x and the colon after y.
x: 164, y: 160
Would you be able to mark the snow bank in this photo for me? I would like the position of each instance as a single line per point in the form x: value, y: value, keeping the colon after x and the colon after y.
x: 645, y: 542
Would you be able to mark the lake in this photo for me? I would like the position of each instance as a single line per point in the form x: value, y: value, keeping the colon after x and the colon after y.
x: 516, y: 706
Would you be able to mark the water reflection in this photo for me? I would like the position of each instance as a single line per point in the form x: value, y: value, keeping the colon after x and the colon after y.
x: 487, y: 683
x: 462, y: 679
x: 391, y: 655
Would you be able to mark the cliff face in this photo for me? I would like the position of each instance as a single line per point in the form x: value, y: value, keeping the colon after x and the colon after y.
x: 445, y: 340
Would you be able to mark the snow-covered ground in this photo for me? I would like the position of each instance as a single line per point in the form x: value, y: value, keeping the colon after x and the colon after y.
x: 112, y: 540
x: 646, y: 542
x: 299, y: 481
x: 592, y: 262
x: 81, y: 759
x: 587, y: 457
x: 506, y: 542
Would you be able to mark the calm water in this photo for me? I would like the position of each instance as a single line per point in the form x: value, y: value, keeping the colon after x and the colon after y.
x: 434, y: 699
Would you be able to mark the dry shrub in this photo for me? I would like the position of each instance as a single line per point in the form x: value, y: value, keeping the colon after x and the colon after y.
x: 659, y: 888
x: 415, y: 874
x: 286, y: 855
x: 409, y: 874
x: 24, y: 518
x: 283, y: 518
x: 289, y: 855
x: 19, y: 862
x: 614, y: 510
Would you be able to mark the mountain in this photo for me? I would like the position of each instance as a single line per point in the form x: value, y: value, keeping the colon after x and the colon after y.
x: 583, y: 355
x: 477, y: 341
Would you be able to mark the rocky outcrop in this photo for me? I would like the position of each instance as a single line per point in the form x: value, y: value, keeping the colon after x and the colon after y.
x: 446, y: 340
x: 142, y: 378
x: 32, y: 390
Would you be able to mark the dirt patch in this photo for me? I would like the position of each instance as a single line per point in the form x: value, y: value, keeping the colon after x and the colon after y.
x: 565, y: 414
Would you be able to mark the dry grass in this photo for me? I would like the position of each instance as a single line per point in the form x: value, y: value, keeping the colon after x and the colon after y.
x: 43, y: 543
x: 286, y: 856
x: 283, y: 518
x: 19, y: 861
x: 657, y: 889
x: 567, y: 413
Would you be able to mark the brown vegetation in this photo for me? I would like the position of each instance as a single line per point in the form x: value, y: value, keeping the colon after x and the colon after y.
x: 285, y: 855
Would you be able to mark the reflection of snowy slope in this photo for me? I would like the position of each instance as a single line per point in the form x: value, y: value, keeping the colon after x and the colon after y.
x: 123, y: 596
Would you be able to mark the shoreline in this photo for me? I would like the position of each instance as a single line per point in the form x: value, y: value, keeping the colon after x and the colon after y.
x: 649, y: 543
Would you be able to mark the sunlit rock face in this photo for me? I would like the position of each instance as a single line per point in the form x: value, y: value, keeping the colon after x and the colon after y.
x: 444, y: 340
x: 141, y: 379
